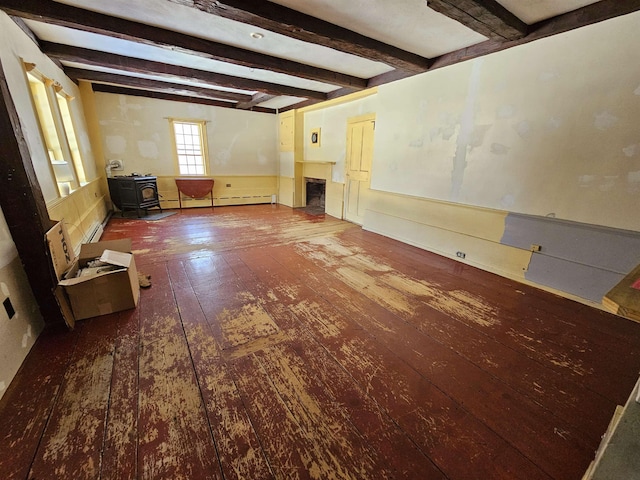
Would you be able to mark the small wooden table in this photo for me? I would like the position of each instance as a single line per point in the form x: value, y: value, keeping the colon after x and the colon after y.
x: 194, y: 188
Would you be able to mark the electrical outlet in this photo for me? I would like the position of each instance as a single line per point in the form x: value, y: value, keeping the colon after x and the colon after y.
x: 9, y: 308
x: 228, y: 184
x: 535, y: 248
x: 461, y: 254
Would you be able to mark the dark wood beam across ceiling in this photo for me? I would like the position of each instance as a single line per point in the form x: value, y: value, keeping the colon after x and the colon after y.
x: 493, y: 17
x: 257, y: 99
x: 147, y: 84
x: 582, y: 17
x: 55, y: 13
x: 85, y: 56
x: 291, y: 23
x: 134, y: 92
x: 487, y: 17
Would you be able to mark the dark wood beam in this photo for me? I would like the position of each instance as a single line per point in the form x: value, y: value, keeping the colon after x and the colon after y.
x: 487, y: 17
x: 147, y: 84
x: 340, y: 92
x: 597, y: 12
x: 134, y: 92
x: 66, y: 53
x: 25, y: 28
x: 304, y: 103
x: 55, y: 13
x: 582, y: 17
x: 291, y: 23
x: 594, y: 13
x: 388, y: 77
x: 24, y: 207
x: 257, y: 98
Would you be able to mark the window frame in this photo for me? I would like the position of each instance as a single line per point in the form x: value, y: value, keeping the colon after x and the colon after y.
x: 44, y: 94
x: 69, y: 124
x: 202, y: 135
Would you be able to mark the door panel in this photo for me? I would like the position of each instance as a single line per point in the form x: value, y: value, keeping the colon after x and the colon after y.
x: 359, y: 158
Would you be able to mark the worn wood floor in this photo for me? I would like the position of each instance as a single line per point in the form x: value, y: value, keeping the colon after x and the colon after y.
x: 274, y: 344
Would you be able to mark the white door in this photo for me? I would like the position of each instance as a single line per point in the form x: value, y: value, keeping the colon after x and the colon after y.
x: 359, y: 156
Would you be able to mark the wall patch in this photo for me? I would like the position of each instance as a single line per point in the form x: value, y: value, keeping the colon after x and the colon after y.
x: 604, y: 120
x: 630, y: 150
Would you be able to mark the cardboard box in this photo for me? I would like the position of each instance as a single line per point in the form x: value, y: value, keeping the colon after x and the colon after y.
x: 105, y: 291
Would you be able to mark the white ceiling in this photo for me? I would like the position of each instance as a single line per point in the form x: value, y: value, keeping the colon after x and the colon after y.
x: 409, y: 25
x: 532, y: 11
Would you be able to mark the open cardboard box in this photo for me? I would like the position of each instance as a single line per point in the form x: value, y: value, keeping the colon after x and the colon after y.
x: 96, y: 294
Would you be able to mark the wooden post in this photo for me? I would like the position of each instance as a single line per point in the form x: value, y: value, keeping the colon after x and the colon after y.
x: 24, y: 207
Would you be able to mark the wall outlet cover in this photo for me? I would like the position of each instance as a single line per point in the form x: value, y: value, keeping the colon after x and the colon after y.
x: 9, y: 307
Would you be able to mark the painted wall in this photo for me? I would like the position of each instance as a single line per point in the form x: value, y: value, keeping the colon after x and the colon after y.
x: 83, y: 210
x: 537, y: 144
x: 333, y: 139
x: 136, y: 130
x: 17, y: 334
x: 16, y: 47
x: 547, y: 128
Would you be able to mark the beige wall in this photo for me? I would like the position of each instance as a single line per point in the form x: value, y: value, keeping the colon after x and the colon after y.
x: 333, y: 126
x: 547, y: 128
x: 17, y: 334
x: 136, y: 130
x: 16, y: 47
x: 83, y: 210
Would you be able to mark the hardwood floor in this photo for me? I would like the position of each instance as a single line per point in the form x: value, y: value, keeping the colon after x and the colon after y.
x: 275, y: 344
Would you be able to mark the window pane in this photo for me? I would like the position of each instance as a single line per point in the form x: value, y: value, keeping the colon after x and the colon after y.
x: 52, y: 125
x: 189, y: 148
x: 70, y: 132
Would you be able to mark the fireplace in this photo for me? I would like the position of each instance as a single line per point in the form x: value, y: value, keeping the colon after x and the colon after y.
x: 315, y: 188
x: 134, y: 192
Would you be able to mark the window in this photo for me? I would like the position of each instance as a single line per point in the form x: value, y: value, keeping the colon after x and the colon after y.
x: 58, y: 134
x: 189, y: 138
x: 70, y: 132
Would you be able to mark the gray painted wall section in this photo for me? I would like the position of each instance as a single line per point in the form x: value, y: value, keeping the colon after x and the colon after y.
x: 584, y: 281
x: 584, y: 260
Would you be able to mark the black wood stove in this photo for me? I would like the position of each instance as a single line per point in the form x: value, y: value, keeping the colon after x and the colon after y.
x: 134, y: 192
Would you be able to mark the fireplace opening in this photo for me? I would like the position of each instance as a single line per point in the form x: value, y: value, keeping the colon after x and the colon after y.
x: 315, y: 188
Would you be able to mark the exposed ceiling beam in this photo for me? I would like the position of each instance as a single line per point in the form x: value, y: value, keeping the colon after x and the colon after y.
x: 291, y: 23
x: 134, y: 92
x: 66, y: 53
x: 387, y: 77
x: 487, y: 17
x: 144, y: 83
x: 23, y: 26
x: 594, y: 13
x: 68, y: 16
x: 302, y: 104
x: 257, y: 98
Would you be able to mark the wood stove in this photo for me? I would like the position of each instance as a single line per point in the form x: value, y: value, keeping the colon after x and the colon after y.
x: 134, y: 192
